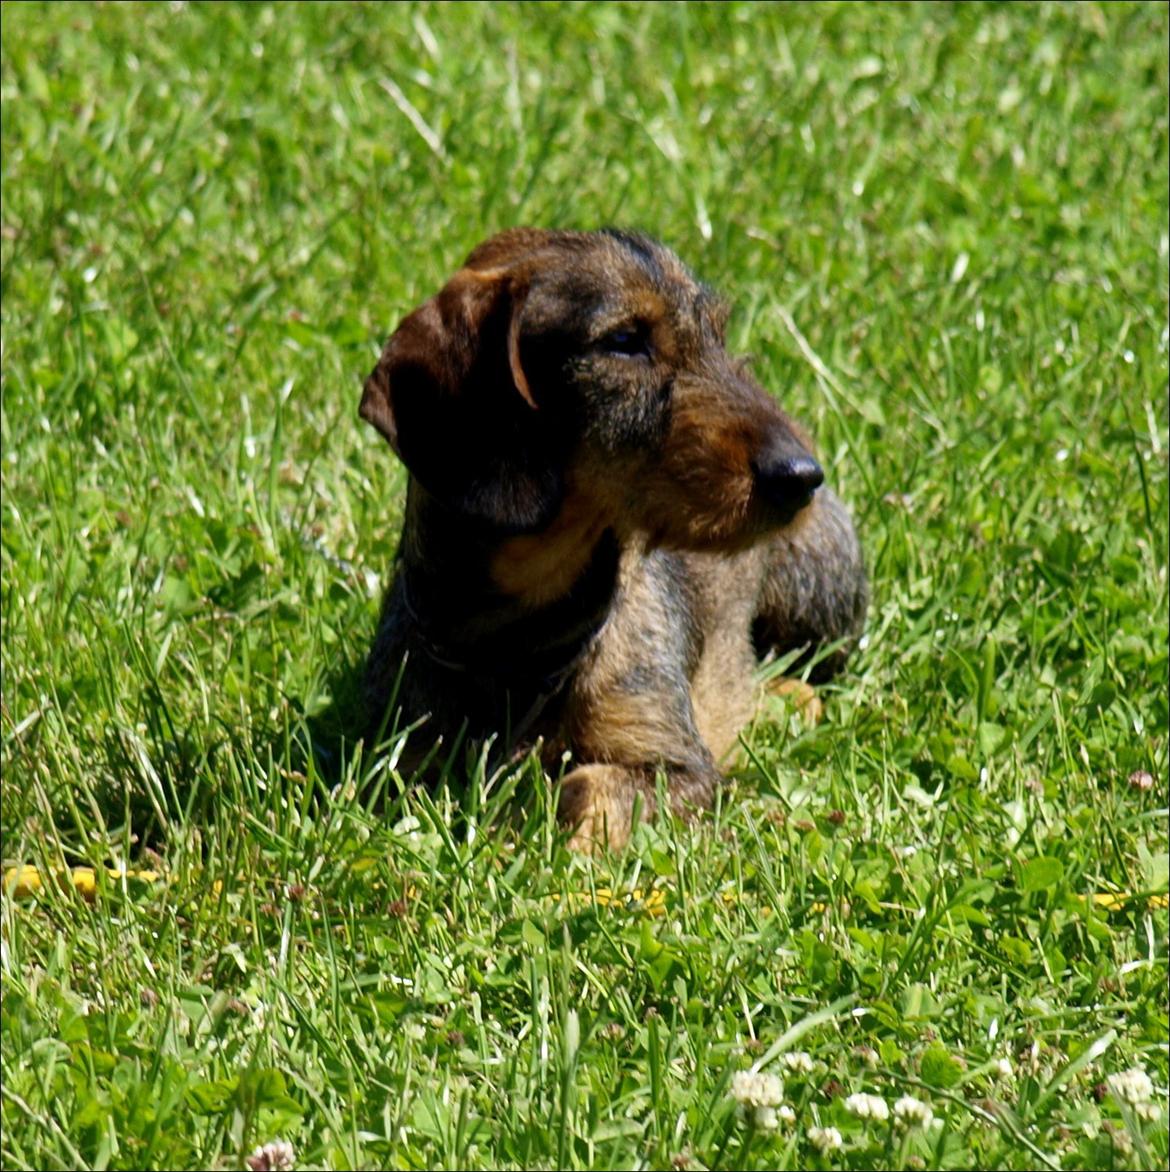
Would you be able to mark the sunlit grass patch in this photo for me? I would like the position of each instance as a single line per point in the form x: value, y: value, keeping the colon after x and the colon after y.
x: 230, y: 939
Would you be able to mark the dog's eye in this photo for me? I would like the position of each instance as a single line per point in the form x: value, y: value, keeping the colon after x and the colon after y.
x: 630, y: 341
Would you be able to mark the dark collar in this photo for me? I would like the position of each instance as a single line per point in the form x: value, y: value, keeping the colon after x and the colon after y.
x: 529, y: 650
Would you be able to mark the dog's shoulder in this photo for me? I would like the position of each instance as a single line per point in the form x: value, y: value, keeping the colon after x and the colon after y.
x: 666, y: 603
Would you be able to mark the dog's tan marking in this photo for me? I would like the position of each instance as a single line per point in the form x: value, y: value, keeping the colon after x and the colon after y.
x: 541, y: 567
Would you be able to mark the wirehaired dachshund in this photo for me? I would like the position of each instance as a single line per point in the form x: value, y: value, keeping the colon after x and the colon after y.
x: 607, y: 523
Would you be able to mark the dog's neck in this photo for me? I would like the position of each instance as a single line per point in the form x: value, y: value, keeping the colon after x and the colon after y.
x: 512, y: 607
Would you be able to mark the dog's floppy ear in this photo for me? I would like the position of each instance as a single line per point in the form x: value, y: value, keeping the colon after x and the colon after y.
x: 450, y: 395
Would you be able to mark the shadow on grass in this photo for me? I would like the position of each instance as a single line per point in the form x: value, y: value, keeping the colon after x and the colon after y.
x: 167, y: 777
x: 167, y: 783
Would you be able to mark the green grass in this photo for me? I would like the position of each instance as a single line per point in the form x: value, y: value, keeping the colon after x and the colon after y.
x: 212, y: 217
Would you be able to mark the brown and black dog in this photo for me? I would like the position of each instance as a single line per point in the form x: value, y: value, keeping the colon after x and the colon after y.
x: 607, y: 521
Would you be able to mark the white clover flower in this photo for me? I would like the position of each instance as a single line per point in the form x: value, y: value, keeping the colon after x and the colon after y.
x: 275, y: 1156
x: 912, y: 1112
x: 868, y: 1107
x: 786, y: 1115
x: 754, y: 1088
x: 1003, y: 1068
x: 765, y: 1118
x: 1132, y: 1086
x: 798, y: 1061
x: 1120, y: 1138
x: 825, y: 1139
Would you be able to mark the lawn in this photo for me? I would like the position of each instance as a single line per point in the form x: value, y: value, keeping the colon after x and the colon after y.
x: 944, y: 232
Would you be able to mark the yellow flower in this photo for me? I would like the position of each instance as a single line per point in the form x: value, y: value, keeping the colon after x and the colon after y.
x: 21, y: 882
x: 652, y: 903
x: 1115, y: 901
x: 24, y: 882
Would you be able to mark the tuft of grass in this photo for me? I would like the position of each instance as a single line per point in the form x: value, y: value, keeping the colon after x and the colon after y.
x: 945, y: 230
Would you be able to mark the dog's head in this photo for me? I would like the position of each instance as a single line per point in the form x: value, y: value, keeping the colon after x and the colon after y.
x: 592, y: 364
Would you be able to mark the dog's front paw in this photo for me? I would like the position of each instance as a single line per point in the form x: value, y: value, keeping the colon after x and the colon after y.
x: 597, y: 804
x: 796, y: 694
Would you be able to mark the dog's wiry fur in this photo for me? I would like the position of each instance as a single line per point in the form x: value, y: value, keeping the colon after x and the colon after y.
x: 607, y: 522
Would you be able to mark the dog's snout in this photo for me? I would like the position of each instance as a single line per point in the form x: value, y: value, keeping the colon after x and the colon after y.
x: 787, y: 476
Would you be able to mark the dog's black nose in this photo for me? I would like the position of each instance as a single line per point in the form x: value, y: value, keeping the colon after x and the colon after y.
x: 787, y: 479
